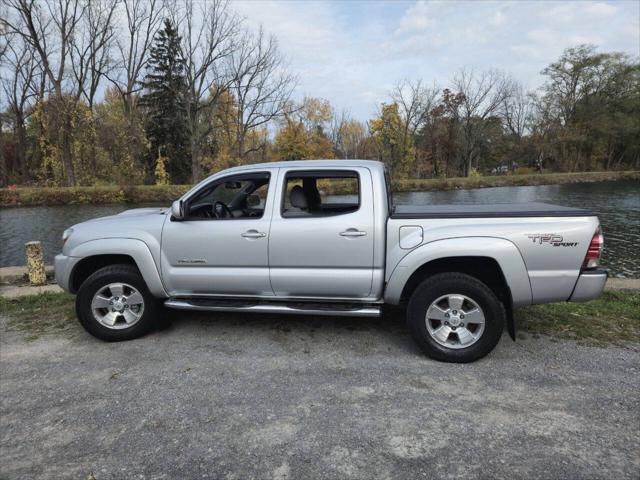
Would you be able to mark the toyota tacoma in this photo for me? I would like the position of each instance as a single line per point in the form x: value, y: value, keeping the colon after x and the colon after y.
x: 324, y: 238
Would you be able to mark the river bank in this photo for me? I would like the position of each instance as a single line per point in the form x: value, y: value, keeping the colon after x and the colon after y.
x: 141, y: 194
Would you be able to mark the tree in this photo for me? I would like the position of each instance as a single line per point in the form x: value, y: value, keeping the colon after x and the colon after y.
x: 143, y: 18
x: 303, y: 133
x: 484, y: 93
x: 208, y: 38
x: 586, y: 108
x: 164, y: 100
x: 348, y: 137
x: 394, y: 148
x: 415, y: 102
x: 50, y: 33
x: 20, y: 89
x: 260, y: 85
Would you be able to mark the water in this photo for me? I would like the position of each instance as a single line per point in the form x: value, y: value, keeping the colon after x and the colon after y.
x: 616, y: 203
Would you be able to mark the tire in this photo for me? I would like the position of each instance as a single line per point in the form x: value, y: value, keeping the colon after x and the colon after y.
x: 473, y: 330
x: 131, y: 316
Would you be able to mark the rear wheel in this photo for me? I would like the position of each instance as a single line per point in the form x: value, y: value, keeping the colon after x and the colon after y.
x: 454, y: 317
x: 114, y: 304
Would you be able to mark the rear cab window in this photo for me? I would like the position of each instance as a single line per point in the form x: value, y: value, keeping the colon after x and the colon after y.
x: 320, y: 193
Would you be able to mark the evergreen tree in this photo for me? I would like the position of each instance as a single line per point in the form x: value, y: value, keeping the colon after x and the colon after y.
x: 164, y: 99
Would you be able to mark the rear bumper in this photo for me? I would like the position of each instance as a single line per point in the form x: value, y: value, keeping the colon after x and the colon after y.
x: 589, y: 285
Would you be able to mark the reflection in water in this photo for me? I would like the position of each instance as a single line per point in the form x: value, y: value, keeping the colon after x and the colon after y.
x: 616, y: 203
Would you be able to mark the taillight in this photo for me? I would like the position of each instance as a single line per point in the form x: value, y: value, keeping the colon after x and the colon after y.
x: 592, y: 259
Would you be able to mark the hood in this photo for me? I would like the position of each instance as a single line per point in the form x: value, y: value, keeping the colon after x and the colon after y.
x: 139, y: 223
x: 134, y: 212
x: 143, y: 211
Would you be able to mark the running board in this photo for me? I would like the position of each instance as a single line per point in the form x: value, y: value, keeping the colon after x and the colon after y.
x: 299, y: 308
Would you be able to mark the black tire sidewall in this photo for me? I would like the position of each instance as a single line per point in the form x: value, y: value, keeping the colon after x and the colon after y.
x: 101, y: 278
x: 455, y: 283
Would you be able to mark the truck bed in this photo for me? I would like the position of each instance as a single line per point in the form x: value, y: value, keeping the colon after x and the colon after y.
x: 488, y: 211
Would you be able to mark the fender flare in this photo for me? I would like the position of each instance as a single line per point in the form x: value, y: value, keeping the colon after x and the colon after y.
x: 504, y: 252
x: 136, y: 249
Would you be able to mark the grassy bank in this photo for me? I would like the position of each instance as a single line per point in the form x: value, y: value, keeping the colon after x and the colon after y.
x: 32, y: 196
x: 614, y: 318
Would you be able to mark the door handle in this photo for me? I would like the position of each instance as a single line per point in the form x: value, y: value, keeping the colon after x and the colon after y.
x: 353, y: 232
x: 253, y: 234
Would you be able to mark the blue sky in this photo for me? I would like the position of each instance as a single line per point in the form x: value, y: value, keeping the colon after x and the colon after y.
x: 352, y: 52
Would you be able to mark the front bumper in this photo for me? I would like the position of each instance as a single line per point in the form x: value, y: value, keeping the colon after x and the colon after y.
x: 589, y: 285
x: 63, y: 268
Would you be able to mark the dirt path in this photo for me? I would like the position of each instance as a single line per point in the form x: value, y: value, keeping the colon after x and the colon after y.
x: 236, y: 396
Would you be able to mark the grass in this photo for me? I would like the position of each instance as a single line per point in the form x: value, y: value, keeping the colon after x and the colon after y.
x: 139, y: 194
x: 36, y: 315
x: 614, y: 318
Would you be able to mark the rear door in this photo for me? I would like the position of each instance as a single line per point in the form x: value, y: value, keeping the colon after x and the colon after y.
x: 322, y: 236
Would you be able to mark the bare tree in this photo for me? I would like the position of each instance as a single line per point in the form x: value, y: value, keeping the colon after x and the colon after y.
x: 517, y: 111
x: 260, y: 84
x: 90, y: 52
x: 415, y: 101
x: 20, y: 88
x: 49, y: 28
x: 347, y: 135
x: 142, y: 19
x: 484, y: 94
x: 208, y: 34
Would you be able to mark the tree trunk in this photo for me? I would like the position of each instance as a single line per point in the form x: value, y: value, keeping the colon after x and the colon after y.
x: 21, y: 148
x: 240, y: 148
x: 65, y: 151
x: 3, y: 163
x: 195, y: 159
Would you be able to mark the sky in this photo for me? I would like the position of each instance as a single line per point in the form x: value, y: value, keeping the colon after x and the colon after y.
x: 353, y: 52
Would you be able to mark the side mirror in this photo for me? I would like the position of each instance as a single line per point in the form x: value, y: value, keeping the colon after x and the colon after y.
x: 176, y: 210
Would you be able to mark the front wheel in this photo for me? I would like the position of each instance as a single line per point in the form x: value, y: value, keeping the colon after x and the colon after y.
x: 114, y: 304
x: 454, y: 317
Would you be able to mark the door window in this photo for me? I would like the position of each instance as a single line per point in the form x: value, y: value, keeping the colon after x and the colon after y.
x: 240, y: 196
x: 320, y: 193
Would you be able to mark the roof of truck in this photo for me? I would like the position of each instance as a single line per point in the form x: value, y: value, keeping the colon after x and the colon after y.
x: 311, y: 164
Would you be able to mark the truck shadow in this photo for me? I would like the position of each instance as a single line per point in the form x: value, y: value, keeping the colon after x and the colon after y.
x: 365, y: 334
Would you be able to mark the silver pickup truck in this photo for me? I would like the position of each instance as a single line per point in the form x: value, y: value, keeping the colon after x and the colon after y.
x: 324, y: 238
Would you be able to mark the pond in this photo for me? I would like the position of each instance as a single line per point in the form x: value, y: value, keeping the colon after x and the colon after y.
x: 616, y: 203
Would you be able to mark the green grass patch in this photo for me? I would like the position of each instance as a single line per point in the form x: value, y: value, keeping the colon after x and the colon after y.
x: 613, y: 318
x: 165, y: 194
x: 36, y: 315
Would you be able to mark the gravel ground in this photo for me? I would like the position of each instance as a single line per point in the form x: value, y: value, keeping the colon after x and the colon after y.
x: 237, y: 396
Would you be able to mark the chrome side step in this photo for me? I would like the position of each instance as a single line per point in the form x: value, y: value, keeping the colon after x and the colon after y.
x: 301, y: 308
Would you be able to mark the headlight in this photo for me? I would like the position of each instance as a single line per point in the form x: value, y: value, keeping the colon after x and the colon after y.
x: 66, y: 234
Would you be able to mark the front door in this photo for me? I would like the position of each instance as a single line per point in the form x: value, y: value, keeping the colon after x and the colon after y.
x: 220, y: 248
x: 321, y: 240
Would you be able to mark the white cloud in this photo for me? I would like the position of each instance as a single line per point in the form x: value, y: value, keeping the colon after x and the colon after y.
x: 353, y: 52
x: 498, y: 19
x: 601, y: 9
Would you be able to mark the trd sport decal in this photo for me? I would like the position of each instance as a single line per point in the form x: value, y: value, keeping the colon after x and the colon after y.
x: 550, y: 238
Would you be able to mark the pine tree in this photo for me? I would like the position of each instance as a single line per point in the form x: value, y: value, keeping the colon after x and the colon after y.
x: 164, y: 99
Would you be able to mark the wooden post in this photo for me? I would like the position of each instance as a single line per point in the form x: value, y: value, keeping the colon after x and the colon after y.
x: 35, y: 263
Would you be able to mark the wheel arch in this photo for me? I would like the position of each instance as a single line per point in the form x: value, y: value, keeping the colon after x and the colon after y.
x: 471, y: 255
x: 97, y: 254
